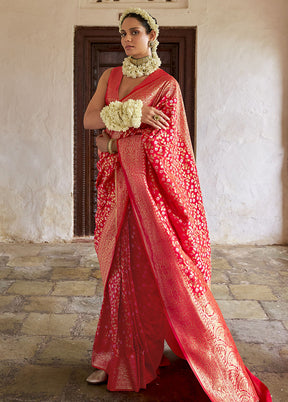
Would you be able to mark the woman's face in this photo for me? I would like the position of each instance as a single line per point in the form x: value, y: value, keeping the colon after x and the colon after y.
x: 134, y: 38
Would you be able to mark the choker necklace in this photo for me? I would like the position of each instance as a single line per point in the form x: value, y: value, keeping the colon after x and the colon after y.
x: 135, y: 68
x: 138, y: 62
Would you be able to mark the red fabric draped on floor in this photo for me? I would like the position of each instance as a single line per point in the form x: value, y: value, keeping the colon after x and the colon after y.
x: 153, y: 246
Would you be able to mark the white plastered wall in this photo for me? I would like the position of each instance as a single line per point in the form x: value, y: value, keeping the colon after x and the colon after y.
x: 241, y: 115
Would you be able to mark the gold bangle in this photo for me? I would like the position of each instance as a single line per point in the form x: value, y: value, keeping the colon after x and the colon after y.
x: 109, y: 146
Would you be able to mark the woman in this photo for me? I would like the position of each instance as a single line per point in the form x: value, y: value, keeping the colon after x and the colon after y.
x: 151, y: 234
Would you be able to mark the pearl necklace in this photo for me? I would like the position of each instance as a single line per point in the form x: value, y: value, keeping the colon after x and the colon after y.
x: 135, y: 68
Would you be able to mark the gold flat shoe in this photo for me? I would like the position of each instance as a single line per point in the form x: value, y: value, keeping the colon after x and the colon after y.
x: 97, y: 377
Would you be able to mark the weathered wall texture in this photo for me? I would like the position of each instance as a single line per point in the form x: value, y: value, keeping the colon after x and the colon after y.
x: 242, y: 114
x: 36, y: 119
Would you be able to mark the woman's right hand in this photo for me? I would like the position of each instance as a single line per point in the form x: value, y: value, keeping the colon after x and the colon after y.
x: 154, y: 117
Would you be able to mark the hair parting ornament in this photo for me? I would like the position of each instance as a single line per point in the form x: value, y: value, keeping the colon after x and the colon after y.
x: 132, y: 67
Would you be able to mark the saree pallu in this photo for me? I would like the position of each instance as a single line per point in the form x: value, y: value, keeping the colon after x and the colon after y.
x: 153, y: 246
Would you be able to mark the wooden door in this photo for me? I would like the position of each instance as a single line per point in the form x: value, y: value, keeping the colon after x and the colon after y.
x: 95, y: 50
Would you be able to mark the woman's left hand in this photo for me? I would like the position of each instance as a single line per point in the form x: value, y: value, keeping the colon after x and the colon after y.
x: 102, y: 141
x: 154, y: 117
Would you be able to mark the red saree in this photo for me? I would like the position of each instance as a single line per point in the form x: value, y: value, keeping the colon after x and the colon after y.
x: 153, y: 246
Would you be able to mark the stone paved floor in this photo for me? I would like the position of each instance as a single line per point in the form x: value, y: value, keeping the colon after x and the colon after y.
x: 50, y: 296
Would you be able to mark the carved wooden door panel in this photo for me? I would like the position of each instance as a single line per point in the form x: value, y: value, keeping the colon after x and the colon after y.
x: 95, y: 50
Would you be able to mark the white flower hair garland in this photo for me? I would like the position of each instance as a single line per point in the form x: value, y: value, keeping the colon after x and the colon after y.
x: 120, y: 116
x: 148, y: 65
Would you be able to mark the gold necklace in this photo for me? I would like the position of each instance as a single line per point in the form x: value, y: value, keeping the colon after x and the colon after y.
x: 138, y: 62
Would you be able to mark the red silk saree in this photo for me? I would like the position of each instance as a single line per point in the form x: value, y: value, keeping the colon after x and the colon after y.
x: 153, y: 246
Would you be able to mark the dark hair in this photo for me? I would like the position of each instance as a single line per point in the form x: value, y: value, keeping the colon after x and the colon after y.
x: 141, y: 20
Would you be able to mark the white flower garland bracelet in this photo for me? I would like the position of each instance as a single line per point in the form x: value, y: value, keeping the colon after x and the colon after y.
x: 120, y: 116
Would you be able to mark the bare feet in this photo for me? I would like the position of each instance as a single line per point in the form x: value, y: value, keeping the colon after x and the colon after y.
x: 97, y: 377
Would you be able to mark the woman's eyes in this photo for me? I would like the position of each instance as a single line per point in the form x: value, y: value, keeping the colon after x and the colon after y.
x: 123, y: 34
